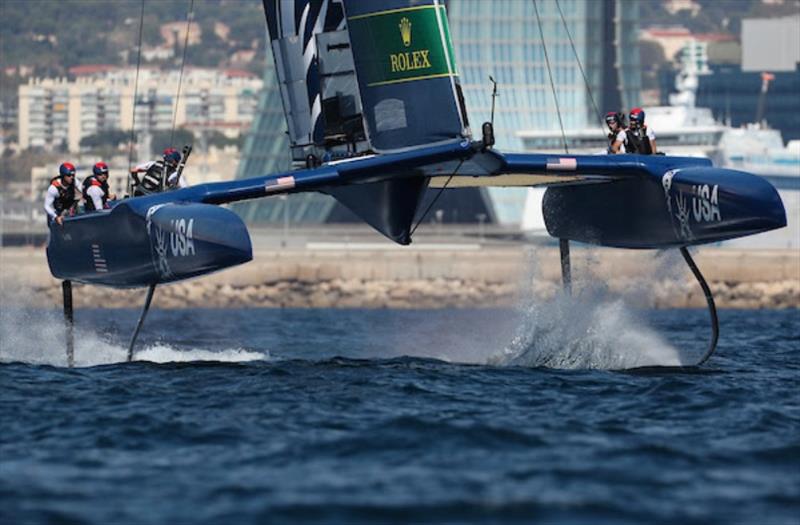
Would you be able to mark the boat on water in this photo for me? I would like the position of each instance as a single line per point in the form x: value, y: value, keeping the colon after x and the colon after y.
x: 760, y: 150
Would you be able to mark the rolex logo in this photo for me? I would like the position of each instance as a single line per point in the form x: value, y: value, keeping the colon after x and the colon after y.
x: 405, y: 31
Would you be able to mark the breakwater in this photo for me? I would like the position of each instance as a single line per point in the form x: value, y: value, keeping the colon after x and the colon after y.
x: 427, y: 277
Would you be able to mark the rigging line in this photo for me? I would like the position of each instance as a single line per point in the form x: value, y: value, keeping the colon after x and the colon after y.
x: 135, y: 92
x: 189, y: 17
x: 550, y: 75
x: 425, y: 213
x: 580, y: 66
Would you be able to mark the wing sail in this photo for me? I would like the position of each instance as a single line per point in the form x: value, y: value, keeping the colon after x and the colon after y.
x: 316, y: 77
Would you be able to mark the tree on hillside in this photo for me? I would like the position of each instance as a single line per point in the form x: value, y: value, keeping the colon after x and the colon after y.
x: 219, y: 140
x: 66, y: 33
x: 161, y: 140
x: 111, y: 137
x: 17, y: 167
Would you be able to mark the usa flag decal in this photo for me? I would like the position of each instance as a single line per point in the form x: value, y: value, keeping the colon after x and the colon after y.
x: 562, y: 164
x: 279, y: 184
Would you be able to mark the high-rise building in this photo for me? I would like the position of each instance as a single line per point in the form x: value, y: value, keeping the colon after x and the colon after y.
x: 500, y: 39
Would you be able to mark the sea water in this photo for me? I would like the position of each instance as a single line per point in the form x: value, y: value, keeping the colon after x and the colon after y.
x: 343, y: 416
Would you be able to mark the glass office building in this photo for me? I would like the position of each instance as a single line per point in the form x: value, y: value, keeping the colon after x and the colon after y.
x: 500, y: 38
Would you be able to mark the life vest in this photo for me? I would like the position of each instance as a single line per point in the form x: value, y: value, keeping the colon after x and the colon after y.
x: 612, y: 138
x: 639, y: 143
x: 88, y: 183
x: 66, y: 194
x: 150, y: 181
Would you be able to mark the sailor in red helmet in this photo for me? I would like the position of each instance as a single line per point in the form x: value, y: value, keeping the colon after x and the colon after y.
x: 641, y: 138
x: 60, y: 197
x: 95, y: 189
x: 158, y: 175
x: 617, y: 139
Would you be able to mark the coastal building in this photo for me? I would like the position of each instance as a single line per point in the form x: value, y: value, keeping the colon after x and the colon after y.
x: 771, y: 44
x: 676, y: 6
x: 765, y: 87
x: 8, y: 122
x: 671, y: 39
x: 501, y: 39
x: 59, y: 112
x: 735, y: 96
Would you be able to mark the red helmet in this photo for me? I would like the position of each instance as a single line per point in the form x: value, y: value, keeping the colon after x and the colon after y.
x: 66, y: 170
x: 172, y: 156
x: 613, y: 116
x: 101, y: 168
x: 637, y: 115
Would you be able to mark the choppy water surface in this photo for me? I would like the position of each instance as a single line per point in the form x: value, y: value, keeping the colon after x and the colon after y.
x: 329, y: 416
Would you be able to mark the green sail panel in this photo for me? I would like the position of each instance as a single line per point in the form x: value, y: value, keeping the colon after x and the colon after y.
x: 410, y: 43
x: 406, y: 71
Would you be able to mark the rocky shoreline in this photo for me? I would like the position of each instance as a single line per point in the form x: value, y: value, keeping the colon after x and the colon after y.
x: 414, y: 279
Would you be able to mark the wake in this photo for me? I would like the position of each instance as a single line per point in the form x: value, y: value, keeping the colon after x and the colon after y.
x: 37, y: 337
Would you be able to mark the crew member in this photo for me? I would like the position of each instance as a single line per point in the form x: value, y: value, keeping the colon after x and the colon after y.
x: 60, y: 197
x: 148, y: 177
x: 617, y: 138
x: 95, y: 189
x: 641, y: 139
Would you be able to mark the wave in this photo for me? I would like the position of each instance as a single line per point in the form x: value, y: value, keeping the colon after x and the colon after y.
x: 167, y: 354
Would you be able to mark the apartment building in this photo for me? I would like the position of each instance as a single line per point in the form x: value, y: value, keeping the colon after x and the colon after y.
x: 59, y: 112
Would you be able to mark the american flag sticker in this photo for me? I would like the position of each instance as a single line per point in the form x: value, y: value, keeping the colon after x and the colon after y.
x: 279, y: 184
x: 562, y: 164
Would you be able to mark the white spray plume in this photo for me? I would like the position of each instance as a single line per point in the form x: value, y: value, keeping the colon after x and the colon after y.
x: 37, y: 336
x: 592, y: 329
x: 585, y: 331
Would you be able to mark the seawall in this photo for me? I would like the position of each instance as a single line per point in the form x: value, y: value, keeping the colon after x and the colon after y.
x: 432, y: 276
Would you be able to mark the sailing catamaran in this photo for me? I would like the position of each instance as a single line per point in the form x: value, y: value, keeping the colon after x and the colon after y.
x: 376, y: 118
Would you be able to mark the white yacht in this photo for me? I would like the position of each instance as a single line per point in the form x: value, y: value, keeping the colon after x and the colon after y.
x: 761, y: 151
x: 680, y: 130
